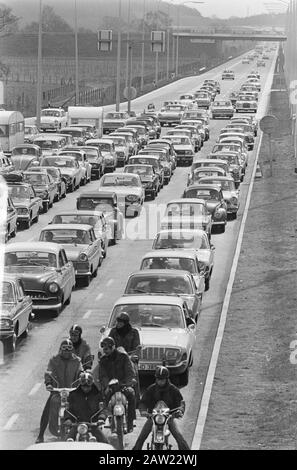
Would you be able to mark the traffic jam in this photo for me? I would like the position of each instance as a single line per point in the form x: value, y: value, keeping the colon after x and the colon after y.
x: 113, y: 243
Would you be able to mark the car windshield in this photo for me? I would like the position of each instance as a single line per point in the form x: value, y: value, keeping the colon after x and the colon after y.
x: 180, y: 140
x: 159, y: 284
x: 119, y: 141
x: 226, y: 185
x: 174, y: 108
x: 104, y: 147
x: 119, y: 180
x: 73, y: 132
x: 7, y: 293
x: 76, y: 219
x: 231, y: 159
x: 50, y: 112
x: 24, y: 151
x: 201, y: 172
x: 35, y: 178
x: 61, y: 162
x: 150, y: 315
x: 140, y: 170
x: 184, y: 209
x: 115, y: 116
x: 225, y: 147
x: 148, y: 161
x: 101, y: 204
x: 185, y: 264
x: 31, y: 258
x: 206, y: 194
x: 66, y: 236
x: 167, y: 240
x: 54, y: 173
x: 19, y: 192
x: 47, y: 144
x: 78, y: 157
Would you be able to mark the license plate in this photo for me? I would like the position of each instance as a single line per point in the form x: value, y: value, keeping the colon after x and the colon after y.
x: 147, y: 366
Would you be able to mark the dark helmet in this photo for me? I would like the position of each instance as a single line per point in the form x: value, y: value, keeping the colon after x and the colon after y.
x: 76, y: 328
x: 108, y: 341
x: 66, y: 345
x: 124, y: 317
x: 86, y: 378
x: 162, y: 372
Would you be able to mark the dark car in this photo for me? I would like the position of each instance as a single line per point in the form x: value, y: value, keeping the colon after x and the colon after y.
x: 95, y: 159
x: 44, y: 186
x: 148, y: 176
x: 56, y: 175
x: 149, y: 160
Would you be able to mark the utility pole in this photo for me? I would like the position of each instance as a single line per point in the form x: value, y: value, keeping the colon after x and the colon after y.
x: 118, y: 61
x: 129, y: 76
x: 128, y: 40
x: 39, y: 68
x: 76, y: 58
x: 142, y: 49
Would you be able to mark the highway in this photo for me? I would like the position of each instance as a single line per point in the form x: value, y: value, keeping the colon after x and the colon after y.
x: 21, y: 377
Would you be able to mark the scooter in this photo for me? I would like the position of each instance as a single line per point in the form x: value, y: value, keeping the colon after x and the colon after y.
x: 160, y: 431
x: 84, y: 431
x: 118, y: 405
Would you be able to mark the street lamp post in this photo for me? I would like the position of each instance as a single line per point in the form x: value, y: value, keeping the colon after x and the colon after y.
x: 142, y: 49
x: 39, y: 67
x: 76, y: 58
x: 118, y: 61
x: 128, y: 40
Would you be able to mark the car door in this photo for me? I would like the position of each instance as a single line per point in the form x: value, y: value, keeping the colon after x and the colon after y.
x: 52, y: 186
x: 64, y: 275
x: 94, y: 250
x: 23, y: 307
x: 35, y: 203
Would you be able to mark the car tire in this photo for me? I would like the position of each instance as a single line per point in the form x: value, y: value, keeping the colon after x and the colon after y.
x: 27, y: 224
x: 207, y: 283
x: 26, y: 331
x: 45, y: 207
x: 10, y: 344
x: 36, y: 218
x: 13, y: 233
x: 67, y: 302
x: 154, y: 194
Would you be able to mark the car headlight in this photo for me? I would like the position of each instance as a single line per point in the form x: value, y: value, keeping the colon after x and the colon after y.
x: 82, y: 429
x: 6, y: 323
x: 53, y: 287
x: 83, y: 257
x: 172, y: 355
x: 132, y: 198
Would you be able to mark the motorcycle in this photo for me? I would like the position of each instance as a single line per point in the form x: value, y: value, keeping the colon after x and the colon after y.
x: 160, y: 431
x: 84, y: 431
x: 58, y: 406
x: 118, y: 405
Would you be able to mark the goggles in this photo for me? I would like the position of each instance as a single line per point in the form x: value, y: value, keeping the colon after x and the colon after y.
x: 88, y: 381
x: 66, y: 348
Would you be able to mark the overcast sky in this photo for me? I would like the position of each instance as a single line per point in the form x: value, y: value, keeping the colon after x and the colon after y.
x: 227, y: 8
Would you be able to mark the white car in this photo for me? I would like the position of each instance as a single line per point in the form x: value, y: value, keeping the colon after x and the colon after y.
x: 81, y: 157
x: 53, y: 119
x: 222, y: 108
x: 228, y: 75
x: 246, y: 104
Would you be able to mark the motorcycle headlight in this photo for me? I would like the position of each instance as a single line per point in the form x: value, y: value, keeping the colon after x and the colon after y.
x: 82, y: 429
x: 159, y: 419
x: 53, y: 287
x: 83, y: 257
x: 233, y: 200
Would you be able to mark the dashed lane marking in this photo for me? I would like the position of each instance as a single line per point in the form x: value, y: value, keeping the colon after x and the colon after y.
x: 99, y: 296
x: 35, y: 389
x: 110, y: 282
x: 88, y: 313
x: 11, y: 422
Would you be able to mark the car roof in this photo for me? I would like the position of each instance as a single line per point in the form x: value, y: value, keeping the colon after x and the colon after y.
x: 121, y: 173
x: 219, y: 178
x: 79, y: 212
x: 144, y: 156
x: 185, y: 231
x: 69, y: 226
x: 210, y: 168
x: 37, y: 246
x: 186, y: 201
x: 204, y: 186
x: 176, y: 253
x: 150, y: 299
x: 94, y: 194
x: 160, y: 272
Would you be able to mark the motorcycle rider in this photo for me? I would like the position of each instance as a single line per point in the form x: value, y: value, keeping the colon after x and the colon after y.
x: 81, y: 347
x: 163, y: 390
x: 65, y: 368
x: 117, y: 365
x: 84, y: 402
x: 124, y: 334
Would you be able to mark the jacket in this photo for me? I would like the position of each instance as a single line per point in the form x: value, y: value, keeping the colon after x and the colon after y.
x: 83, y: 351
x: 64, y: 371
x: 129, y: 342
x: 84, y: 405
x: 116, y: 366
x: 170, y: 394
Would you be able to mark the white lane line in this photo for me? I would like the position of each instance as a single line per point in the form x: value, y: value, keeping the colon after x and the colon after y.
x: 198, y: 433
x: 35, y: 389
x: 110, y: 282
x: 11, y: 422
x: 99, y: 296
x: 87, y: 314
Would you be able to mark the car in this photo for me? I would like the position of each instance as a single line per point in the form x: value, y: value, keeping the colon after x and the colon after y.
x: 44, y: 187
x: 241, y: 148
x: 205, y: 171
x: 183, y: 148
x: 245, y: 60
x: 107, y: 203
x: 81, y: 246
x: 16, y: 312
x: 195, y: 135
x: 94, y: 218
x: 51, y: 144
x: 142, y: 132
x: 228, y: 75
x: 53, y: 119
x: 113, y: 120
x: 233, y: 160
x: 230, y: 193
x: 164, y: 143
x: 171, y: 114
x: 196, y: 114
x: 150, y: 159
x: 202, y: 99
x: 23, y: 162
x: 163, y: 330
x: 222, y: 108
x: 95, y: 159
x: 90, y: 130
x: 207, y: 163
x: 31, y: 131
x: 261, y: 63
x: 56, y: 175
x: 149, y: 179
x: 107, y: 149
x: 28, y: 205
x: 168, y: 282
x: 246, y: 104
x: 77, y: 133
x: 131, y: 141
x: 155, y: 121
x: 69, y: 167
x: 11, y: 220
x: 249, y: 119
x: 163, y: 153
x: 215, y: 202
x: 148, y: 126
x: 47, y: 275
x: 210, y: 89
x: 27, y: 149
x: 248, y: 139
x: 248, y: 88
x: 255, y: 82
x: 121, y: 148
x: 6, y: 165
x: 233, y: 97
x: 129, y: 190
x: 188, y: 214
x: 81, y: 157
x: 214, y: 83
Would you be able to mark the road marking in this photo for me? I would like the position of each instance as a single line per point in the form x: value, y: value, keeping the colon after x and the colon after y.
x: 99, y: 296
x: 110, y: 282
x: 198, y: 433
x: 87, y: 314
x: 11, y: 422
x: 35, y: 389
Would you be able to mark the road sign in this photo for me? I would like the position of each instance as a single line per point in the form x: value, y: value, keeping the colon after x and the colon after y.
x: 105, y: 40
x: 268, y: 124
x: 158, y: 41
x: 131, y: 95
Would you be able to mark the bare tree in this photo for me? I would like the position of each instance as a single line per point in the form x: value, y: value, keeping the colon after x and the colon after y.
x: 8, y: 21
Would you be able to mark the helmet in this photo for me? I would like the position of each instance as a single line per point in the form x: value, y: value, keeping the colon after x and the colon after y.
x: 108, y: 341
x: 162, y: 372
x: 66, y: 345
x: 76, y: 328
x: 86, y: 378
x: 124, y: 317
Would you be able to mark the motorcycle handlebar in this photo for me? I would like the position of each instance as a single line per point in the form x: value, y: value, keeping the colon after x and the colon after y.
x: 171, y: 412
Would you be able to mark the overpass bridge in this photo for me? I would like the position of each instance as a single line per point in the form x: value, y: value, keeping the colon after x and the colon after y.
x: 230, y: 36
